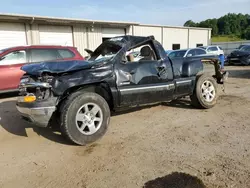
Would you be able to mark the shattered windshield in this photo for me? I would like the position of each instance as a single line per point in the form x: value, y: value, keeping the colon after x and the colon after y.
x: 106, y: 51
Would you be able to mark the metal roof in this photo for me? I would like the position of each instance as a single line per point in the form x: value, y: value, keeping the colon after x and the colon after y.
x: 62, y: 20
x: 48, y: 19
x: 177, y: 27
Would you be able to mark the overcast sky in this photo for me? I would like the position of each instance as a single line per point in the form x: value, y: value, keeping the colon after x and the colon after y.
x: 165, y: 12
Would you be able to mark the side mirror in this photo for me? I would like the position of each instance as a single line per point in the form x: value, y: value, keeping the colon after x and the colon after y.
x: 90, y: 52
x: 189, y: 55
x: 86, y: 57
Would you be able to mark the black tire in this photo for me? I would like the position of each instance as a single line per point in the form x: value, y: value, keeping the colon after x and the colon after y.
x: 197, y: 99
x: 68, y: 115
x: 245, y: 62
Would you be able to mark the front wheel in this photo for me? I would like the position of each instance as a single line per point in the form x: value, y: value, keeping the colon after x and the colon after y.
x: 85, y: 118
x: 205, y: 93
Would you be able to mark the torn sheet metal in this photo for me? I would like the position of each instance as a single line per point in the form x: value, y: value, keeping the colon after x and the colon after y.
x: 105, y: 52
x: 55, y: 67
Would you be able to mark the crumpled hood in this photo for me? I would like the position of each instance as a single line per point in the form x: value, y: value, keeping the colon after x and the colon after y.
x: 56, y: 67
x: 239, y: 53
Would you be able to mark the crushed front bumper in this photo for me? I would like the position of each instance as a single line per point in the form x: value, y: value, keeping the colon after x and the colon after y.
x: 38, y: 112
x: 39, y: 116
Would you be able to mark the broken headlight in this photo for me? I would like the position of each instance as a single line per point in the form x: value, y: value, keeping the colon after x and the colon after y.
x: 24, y: 80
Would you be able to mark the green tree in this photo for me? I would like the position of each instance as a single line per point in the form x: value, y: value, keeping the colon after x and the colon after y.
x: 229, y: 24
x: 246, y: 34
x: 224, y: 26
x: 243, y: 19
x: 190, y: 23
x: 210, y: 23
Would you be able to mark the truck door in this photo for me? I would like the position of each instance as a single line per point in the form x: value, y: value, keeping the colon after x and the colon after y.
x: 144, y: 80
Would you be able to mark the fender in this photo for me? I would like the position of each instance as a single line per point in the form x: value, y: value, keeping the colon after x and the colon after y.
x: 191, y: 68
x: 62, y: 83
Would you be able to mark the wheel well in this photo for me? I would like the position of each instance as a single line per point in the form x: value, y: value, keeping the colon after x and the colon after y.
x: 200, y: 73
x: 101, y: 89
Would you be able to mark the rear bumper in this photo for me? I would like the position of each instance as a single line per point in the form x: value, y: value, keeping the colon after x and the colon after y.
x: 39, y: 115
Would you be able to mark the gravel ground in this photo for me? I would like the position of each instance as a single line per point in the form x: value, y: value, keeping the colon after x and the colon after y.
x: 171, y: 144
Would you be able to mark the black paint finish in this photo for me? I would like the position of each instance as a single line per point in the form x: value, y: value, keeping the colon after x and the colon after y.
x: 129, y: 83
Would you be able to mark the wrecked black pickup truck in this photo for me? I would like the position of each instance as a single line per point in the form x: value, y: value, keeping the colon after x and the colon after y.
x: 82, y: 94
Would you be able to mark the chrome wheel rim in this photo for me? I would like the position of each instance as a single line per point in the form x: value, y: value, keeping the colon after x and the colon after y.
x: 208, y: 91
x: 89, y: 118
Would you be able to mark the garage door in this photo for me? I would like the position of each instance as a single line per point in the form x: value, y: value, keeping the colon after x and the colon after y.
x: 112, y: 32
x: 12, y: 34
x: 56, y: 35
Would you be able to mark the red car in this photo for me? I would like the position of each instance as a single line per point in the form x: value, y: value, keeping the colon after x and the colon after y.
x: 12, y: 59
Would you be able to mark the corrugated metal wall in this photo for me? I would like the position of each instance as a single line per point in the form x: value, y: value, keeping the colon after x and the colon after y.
x: 35, y: 37
x: 112, y: 32
x: 80, y: 38
x: 175, y: 36
x: 167, y: 36
x: 28, y: 33
x: 209, y: 37
x: 94, y: 38
x: 147, y: 31
x: 197, y: 37
x: 12, y: 34
x: 91, y: 38
x: 56, y: 35
x: 129, y: 30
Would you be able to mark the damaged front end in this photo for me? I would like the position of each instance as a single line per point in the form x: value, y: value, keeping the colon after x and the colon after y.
x: 36, y: 102
x: 45, y: 83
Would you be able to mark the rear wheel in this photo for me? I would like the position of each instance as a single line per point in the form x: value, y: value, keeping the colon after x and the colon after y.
x: 205, y: 93
x: 85, y: 118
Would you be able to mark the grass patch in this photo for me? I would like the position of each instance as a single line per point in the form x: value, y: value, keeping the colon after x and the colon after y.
x: 226, y: 38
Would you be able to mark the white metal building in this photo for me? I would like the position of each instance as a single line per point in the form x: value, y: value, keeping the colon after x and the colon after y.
x: 27, y: 30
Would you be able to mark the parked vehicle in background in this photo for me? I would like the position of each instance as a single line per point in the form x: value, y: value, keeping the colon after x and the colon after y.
x: 80, y: 96
x: 187, y: 53
x: 241, y: 46
x: 168, y: 51
x: 12, y: 59
x: 241, y: 56
x: 216, y: 50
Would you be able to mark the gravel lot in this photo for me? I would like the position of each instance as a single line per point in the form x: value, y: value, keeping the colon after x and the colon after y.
x: 165, y: 144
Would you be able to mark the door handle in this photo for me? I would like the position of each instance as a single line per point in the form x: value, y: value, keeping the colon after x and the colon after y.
x: 161, y: 67
x: 161, y: 72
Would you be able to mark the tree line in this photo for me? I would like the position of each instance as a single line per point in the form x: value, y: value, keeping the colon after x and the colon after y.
x: 230, y: 24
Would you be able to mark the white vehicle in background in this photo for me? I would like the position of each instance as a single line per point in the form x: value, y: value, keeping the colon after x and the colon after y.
x: 216, y: 50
